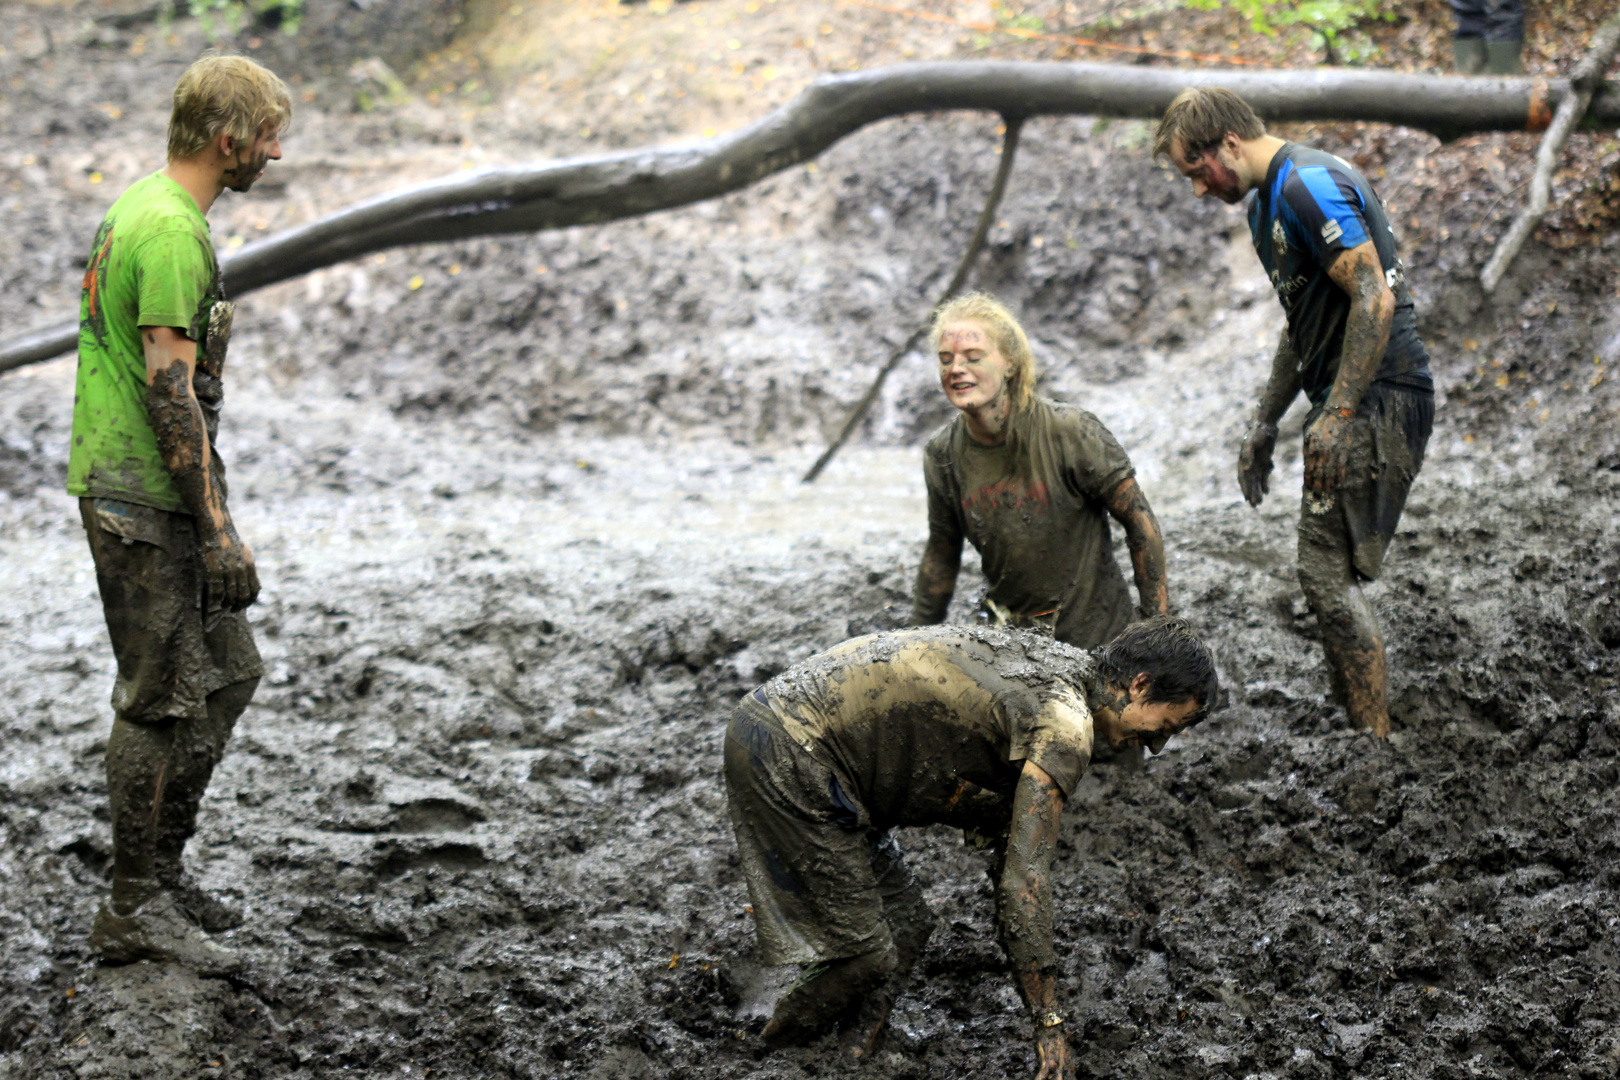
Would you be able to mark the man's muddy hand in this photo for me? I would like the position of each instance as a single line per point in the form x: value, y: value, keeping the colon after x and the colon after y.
x: 233, y: 579
x: 1254, y: 462
x: 1052, y: 1049
x: 1327, y: 452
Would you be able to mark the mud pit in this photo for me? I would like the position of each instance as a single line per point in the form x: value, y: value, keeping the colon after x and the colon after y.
x: 524, y: 538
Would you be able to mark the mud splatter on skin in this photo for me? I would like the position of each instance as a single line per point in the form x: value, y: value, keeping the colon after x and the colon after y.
x: 1366, y: 336
x: 183, y: 439
x: 1146, y: 545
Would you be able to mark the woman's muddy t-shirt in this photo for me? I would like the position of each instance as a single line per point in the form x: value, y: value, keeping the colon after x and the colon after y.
x: 1043, y: 539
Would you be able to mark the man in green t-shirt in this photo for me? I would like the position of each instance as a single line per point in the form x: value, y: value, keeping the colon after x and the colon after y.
x: 174, y: 576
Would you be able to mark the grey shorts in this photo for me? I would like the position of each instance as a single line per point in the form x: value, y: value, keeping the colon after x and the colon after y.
x: 171, y: 652
x: 1389, y: 434
x: 817, y: 879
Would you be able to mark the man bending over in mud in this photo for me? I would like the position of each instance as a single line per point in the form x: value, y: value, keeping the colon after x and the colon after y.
x: 985, y: 729
x: 1351, y: 343
x: 174, y: 576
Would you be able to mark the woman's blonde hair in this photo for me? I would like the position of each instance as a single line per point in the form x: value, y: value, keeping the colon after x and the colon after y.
x: 225, y: 95
x: 1004, y: 330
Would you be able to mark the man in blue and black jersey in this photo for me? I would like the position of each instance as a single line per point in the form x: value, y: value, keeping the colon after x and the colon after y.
x: 1350, y: 343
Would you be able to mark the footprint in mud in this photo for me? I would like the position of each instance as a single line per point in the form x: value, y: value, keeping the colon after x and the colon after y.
x: 364, y: 805
x: 396, y: 860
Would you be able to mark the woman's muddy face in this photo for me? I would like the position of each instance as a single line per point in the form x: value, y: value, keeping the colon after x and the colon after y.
x: 972, y: 371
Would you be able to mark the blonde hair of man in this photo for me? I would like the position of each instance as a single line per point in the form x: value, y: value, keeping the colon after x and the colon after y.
x: 1004, y: 330
x: 1200, y: 117
x: 225, y: 95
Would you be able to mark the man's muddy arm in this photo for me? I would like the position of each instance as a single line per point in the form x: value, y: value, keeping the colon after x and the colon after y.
x: 1366, y: 335
x: 936, y: 579
x: 1254, y: 460
x: 1130, y: 508
x: 1284, y: 384
x: 182, y: 439
x: 1024, y: 910
x: 1366, y: 332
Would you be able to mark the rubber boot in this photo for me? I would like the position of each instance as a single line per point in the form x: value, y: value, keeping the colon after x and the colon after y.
x: 1504, y: 57
x: 1468, y: 55
x: 139, y: 921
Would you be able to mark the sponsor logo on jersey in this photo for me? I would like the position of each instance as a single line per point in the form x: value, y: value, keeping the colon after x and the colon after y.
x: 1286, y: 290
x: 1331, y: 232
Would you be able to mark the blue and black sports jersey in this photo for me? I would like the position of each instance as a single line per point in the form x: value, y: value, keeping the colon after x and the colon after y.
x: 1312, y: 205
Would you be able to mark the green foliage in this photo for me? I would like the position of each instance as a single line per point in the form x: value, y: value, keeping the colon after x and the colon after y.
x: 1017, y: 20
x: 224, y: 18
x: 1331, y: 23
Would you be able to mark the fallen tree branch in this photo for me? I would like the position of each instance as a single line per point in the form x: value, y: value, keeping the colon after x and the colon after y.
x: 1585, y: 81
x: 591, y: 190
x: 1009, y: 148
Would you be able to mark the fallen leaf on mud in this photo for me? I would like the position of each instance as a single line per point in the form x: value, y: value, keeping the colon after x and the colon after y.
x: 415, y: 282
x: 674, y: 960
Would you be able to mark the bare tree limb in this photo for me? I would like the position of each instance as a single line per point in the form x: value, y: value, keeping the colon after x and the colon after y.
x: 998, y: 188
x: 591, y: 190
x: 1586, y: 79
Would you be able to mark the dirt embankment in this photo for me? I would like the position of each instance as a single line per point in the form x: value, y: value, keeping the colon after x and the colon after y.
x: 526, y: 535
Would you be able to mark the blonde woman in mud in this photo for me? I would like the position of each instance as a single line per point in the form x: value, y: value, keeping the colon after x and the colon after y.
x: 1028, y: 481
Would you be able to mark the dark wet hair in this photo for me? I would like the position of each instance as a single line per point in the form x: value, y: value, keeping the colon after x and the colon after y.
x: 1178, y: 665
x: 1200, y: 117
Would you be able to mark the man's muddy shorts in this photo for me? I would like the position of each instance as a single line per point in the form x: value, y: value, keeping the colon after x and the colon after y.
x: 171, y: 652
x: 812, y: 868
x: 1388, y: 436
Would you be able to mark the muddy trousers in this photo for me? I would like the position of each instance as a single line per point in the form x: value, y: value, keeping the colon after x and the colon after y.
x: 858, y: 992
x: 157, y: 773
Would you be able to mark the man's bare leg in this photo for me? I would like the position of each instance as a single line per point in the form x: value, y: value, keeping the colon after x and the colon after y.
x: 1351, y: 636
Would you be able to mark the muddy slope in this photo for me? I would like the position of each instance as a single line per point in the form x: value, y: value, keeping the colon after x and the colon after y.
x: 526, y: 536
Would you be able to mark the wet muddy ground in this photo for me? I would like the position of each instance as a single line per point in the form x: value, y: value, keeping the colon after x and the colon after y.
x: 526, y: 536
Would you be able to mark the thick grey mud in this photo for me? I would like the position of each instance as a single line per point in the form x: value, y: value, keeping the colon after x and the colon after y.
x: 525, y: 538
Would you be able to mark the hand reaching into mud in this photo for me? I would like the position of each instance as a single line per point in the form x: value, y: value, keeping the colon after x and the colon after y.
x: 1254, y: 462
x: 1052, y: 1048
x: 1327, y: 452
x: 233, y: 580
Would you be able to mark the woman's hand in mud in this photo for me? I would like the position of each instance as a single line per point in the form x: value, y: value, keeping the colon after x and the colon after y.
x: 1052, y: 1049
x: 1327, y: 452
x: 233, y: 579
x: 1254, y: 462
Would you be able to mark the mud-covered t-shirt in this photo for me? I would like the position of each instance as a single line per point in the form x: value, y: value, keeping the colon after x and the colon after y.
x: 152, y: 265
x: 1312, y: 206
x: 1043, y: 539
x: 934, y: 724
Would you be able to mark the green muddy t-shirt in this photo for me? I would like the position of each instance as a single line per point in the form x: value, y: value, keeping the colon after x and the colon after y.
x: 152, y: 265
